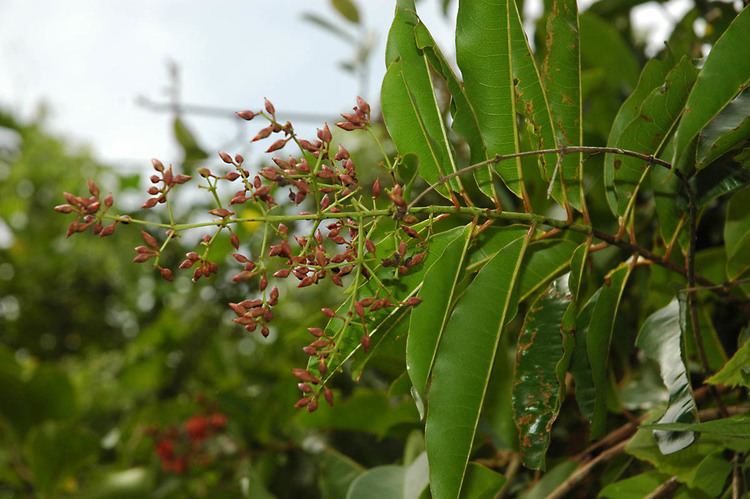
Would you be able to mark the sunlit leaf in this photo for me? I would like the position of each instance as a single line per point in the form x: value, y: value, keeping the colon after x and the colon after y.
x: 429, y: 319
x: 736, y: 372
x: 463, y: 366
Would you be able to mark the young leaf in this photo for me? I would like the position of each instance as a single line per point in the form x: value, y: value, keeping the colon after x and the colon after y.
x: 428, y: 320
x: 540, y: 371
x: 484, y: 54
x: 410, y: 108
x: 463, y: 366
x: 661, y: 340
x: 737, y: 234
x: 599, y: 337
x: 562, y: 81
x: 647, y: 133
x: 725, y: 73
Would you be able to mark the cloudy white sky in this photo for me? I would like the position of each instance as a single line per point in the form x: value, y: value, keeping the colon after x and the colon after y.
x: 88, y: 60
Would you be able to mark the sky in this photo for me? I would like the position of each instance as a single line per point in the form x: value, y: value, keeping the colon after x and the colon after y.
x: 89, y: 61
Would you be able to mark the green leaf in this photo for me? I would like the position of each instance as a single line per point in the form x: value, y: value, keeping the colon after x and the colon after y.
x: 484, y: 53
x: 463, y: 366
x: 348, y: 9
x: 647, y: 133
x: 464, y: 117
x: 541, y: 364
x: 482, y: 482
x: 599, y: 337
x: 725, y: 73
x: 698, y: 466
x: 336, y: 474
x: 54, y: 452
x: 580, y: 367
x: 410, y: 109
x: 736, y: 372
x: 562, y: 79
x: 737, y: 233
x: 727, y: 131
x: 661, y: 340
x: 329, y: 26
x: 603, y: 46
x: 635, y: 487
x: 551, y: 480
x: 429, y: 319
x: 731, y: 427
x: 544, y: 260
x: 397, y: 482
x: 722, y: 177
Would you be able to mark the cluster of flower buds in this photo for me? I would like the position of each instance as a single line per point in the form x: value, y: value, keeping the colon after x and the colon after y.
x: 309, y: 386
x: 400, y: 260
x: 360, y: 118
x: 164, y: 180
x: 179, y: 447
x: 149, y: 251
x: 89, y: 211
x: 258, y: 311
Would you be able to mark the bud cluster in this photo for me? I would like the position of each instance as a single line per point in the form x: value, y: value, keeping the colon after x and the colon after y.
x: 89, y: 212
x: 321, y: 177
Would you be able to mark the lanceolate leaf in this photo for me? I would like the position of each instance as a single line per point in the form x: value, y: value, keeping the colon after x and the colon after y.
x: 540, y: 371
x: 725, y: 73
x: 562, y: 80
x: 647, y: 133
x: 599, y: 338
x: 531, y: 101
x: 737, y: 233
x: 544, y: 260
x: 464, y: 117
x: 728, y: 130
x: 429, y: 319
x: 483, y: 51
x: 661, y: 340
x: 580, y: 367
x: 410, y: 109
x: 463, y: 366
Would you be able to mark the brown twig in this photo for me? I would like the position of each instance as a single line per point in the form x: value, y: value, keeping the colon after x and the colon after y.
x: 564, y: 488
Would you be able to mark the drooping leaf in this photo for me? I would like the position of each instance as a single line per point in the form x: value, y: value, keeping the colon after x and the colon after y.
x: 737, y: 233
x: 661, y: 340
x: 736, y: 372
x: 647, y: 133
x: 731, y: 427
x: 348, y: 9
x: 429, y: 319
x: 482, y: 482
x: 484, y: 53
x: 463, y: 366
x: 580, y: 367
x: 599, y: 338
x: 728, y: 130
x: 541, y: 364
x: 562, y: 81
x: 725, y: 73
x: 410, y: 108
x: 464, y: 117
x: 531, y: 103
